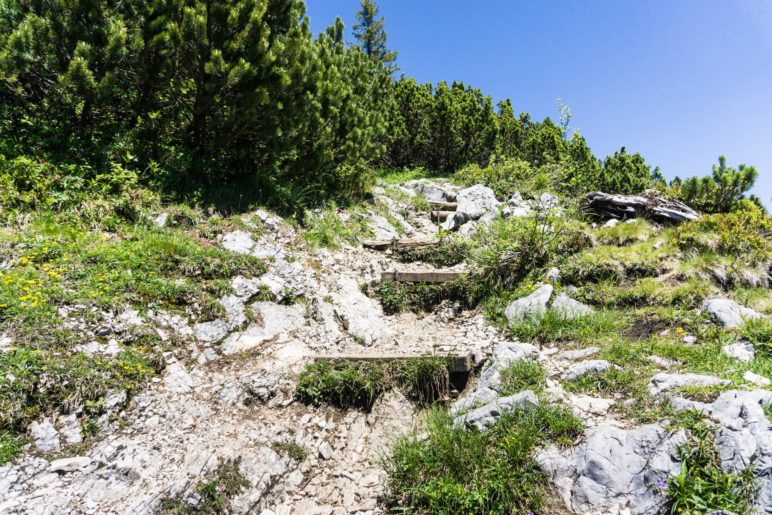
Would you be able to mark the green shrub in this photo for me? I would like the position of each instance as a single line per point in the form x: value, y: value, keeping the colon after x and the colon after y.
x: 10, y: 446
x: 453, y: 470
x: 511, y: 249
x: 326, y: 228
x: 70, y: 381
x: 744, y: 234
x: 721, y: 191
x: 503, y: 176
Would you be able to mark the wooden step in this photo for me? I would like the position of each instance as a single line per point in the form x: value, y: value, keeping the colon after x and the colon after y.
x: 443, y: 206
x: 423, y: 276
x: 458, y: 363
x: 441, y: 216
x: 396, y: 244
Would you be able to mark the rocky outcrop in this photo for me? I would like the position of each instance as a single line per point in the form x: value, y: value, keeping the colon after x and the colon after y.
x: 487, y: 415
x: 433, y: 191
x: 568, y: 308
x: 741, y: 351
x: 663, y: 381
x: 583, y: 368
x: 533, y: 307
x: 614, y: 468
x: 476, y: 201
x: 729, y: 313
x: 648, y: 205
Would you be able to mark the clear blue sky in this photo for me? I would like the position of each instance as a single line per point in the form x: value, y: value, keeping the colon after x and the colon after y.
x: 680, y: 81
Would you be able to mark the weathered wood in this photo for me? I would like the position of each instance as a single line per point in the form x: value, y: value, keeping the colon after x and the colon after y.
x: 443, y: 206
x: 399, y: 244
x: 458, y: 363
x: 428, y: 276
x: 441, y: 216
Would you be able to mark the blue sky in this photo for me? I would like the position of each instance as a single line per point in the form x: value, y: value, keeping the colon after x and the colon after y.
x: 680, y: 81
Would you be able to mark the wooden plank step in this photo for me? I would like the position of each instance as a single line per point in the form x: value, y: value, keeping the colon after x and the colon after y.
x: 458, y: 363
x: 443, y: 206
x: 427, y: 276
x: 441, y: 216
x: 399, y: 244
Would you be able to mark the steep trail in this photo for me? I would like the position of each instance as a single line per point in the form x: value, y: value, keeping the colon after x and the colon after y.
x: 233, y: 397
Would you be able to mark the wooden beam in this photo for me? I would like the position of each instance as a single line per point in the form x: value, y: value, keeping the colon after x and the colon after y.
x: 399, y: 244
x: 443, y: 206
x: 458, y: 363
x: 428, y: 276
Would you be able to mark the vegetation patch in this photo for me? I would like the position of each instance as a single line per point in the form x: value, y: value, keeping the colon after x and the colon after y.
x: 292, y: 450
x: 328, y: 228
x: 702, y: 486
x: 395, y: 296
x: 212, y: 497
x: 523, y: 375
x: 454, y: 470
x: 357, y: 384
x: 34, y: 382
x: 448, y: 252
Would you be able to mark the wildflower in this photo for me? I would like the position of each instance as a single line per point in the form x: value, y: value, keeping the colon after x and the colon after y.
x: 680, y: 330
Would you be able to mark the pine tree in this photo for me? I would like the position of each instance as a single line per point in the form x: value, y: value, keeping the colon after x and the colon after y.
x: 719, y: 192
x: 371, y: 34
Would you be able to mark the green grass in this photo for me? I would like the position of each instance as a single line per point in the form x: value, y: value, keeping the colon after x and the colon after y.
x: 452, y: 470
x: 612, y: 263
x: 423, y: 297
x: 523, y: 375
x: 647, y: 291
x: 327, y: 229
x: 701, y: 485
x: 448, y: 253
x: 292, y: 450
x: 10, y: 446
x: 597, y: 328
x: 58, y: 261
x: 357, y: 384
x: 389, y: 176
x: 34, y: 382
x: 625, y: 233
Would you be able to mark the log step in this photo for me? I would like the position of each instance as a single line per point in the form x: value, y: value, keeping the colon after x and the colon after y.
x: 399, y: 244
x: 443, y: 206
x: 458, y: 363
x: 428, y: 276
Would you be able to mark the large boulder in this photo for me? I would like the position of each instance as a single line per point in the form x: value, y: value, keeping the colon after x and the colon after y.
x: 745, y: 438
x: 476, y: 201
x: 730, y: 314
x: 647, y: 205
x: 488, y: 414
x: 533, y: 307
x: 568, y: 308
x: 433, y: 191
x: 614, y: 468
x: 742, y: 351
